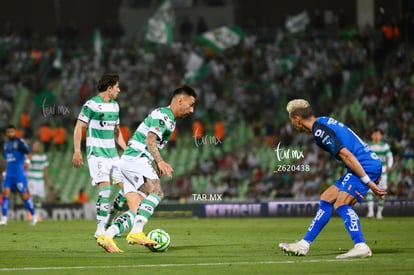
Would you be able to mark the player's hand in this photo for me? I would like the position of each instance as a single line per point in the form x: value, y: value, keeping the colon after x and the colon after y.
x: 377, y: 191
x: 378, y: 181
x: 77, y: 160
x: 165, y: 169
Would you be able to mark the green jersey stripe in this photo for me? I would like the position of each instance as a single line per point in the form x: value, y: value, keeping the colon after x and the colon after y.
x: 161, y: 122
x: 101, y: 117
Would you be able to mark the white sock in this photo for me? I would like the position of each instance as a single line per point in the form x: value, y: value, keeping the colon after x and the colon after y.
x: 304, y: 243
x: 112, y: 231
x: 139, y: 224
x: 361, y: 245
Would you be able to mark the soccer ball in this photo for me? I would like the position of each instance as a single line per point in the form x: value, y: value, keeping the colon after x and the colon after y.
x: 162, y: 238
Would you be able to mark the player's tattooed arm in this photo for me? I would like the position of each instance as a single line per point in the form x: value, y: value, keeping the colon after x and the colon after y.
x: 151, y: 142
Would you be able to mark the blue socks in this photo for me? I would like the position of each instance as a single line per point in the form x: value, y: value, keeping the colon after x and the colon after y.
x: 319, y: 221
x: 5, y: 206
x: 29, y: 205
x: 348, y: 215
x: 352, y: 223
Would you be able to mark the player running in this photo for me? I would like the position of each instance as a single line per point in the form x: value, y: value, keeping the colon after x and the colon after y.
x: 100, y: 115
x: 383, y: 151
x: 363, y: 169
x: 140, y: 178
x: 15, y: 152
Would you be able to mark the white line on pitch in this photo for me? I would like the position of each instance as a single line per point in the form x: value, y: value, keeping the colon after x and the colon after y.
x: 168, y: 265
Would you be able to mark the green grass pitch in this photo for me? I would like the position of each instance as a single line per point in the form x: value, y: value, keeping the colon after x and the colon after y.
x: 207, y: 246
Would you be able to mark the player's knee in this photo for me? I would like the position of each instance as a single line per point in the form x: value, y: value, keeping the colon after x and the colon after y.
x: 160, y: 193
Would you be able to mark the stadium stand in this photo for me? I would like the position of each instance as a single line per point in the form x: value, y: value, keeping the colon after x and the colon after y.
x: 326, y: 69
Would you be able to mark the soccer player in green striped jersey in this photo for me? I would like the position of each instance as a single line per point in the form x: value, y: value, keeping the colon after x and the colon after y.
x: 140, y: 178
x: 100, y: 116
x: 38, y: 175
x: 383, y: 151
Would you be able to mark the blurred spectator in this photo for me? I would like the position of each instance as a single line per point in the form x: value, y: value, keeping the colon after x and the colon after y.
x: 59, y: 138
x: 219, y: 132
x: 126, y: 133
x: 19, y: 133
x: 53, y: 195
x: 269, y: 129
x: 253, y: 160
x: 4, y: 116
x: 82, y: 197
x: 46, y: 136
x: 198, y: 132
x: 25, y: 124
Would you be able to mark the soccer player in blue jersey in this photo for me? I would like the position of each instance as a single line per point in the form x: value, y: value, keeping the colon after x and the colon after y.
x: 15, y: 151
x: 363, y: 170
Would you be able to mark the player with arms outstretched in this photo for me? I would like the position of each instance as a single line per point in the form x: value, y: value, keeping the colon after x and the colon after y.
x: 15, y: 152
x: 100, y: 115
x: 363, y: 169
x: 140, y: 178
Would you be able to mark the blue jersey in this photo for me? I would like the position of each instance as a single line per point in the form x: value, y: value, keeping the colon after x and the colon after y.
x: 332, y: 135
x: 15, y: 152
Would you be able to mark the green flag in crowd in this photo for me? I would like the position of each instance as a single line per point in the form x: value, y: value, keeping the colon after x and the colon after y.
x: 222, y: 38
x: 196, y: 68
x: 97, y: 47
x: 159, y: 28
x: 297, y: 23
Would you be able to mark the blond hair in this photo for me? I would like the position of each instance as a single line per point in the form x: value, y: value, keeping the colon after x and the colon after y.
x: 299, y: 107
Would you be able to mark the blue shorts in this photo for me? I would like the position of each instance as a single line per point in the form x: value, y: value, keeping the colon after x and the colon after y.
x: 352, y: 184
x: 15, y: 182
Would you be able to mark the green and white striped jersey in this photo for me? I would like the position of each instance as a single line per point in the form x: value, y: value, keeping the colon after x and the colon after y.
x: 383, y: 151
x: 38, y: 163
x: 161, y: 122
x: 101, y: 118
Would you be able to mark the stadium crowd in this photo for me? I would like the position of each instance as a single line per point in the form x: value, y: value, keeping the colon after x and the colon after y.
x: 341, y: 73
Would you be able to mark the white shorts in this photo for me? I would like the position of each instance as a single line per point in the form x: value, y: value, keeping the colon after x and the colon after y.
x: 104, y: 169
x: 37, y: 188
x: 383, y: 184
x: 135, y: 171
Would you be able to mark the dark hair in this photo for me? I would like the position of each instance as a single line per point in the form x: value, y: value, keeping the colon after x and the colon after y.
x: 107, y: 80
x: 184, y: 90
x: 11, y: 126
x: 377, y: 130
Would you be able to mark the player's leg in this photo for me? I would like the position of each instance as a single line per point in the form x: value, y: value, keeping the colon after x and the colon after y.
x: 132, y: 182
x: 321, y: 218
x: 120, y: 200
x: 353, y: 190
x: 5, y: 205
x: 99, y: 169
x: 28, y: 202
x: 145, y: 211
x: 21, y: 187
x: 124, y: 221
x: 383, y: 184
x: 37, y: 192
x: 117, y: 207
x: 102, y: 207
x: 370, y: 204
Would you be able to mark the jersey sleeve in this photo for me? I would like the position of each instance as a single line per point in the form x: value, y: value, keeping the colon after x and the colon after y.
x: 24, y: 147
x: 326, y: 138
x: 158, y: 127
x: 86, y: 112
